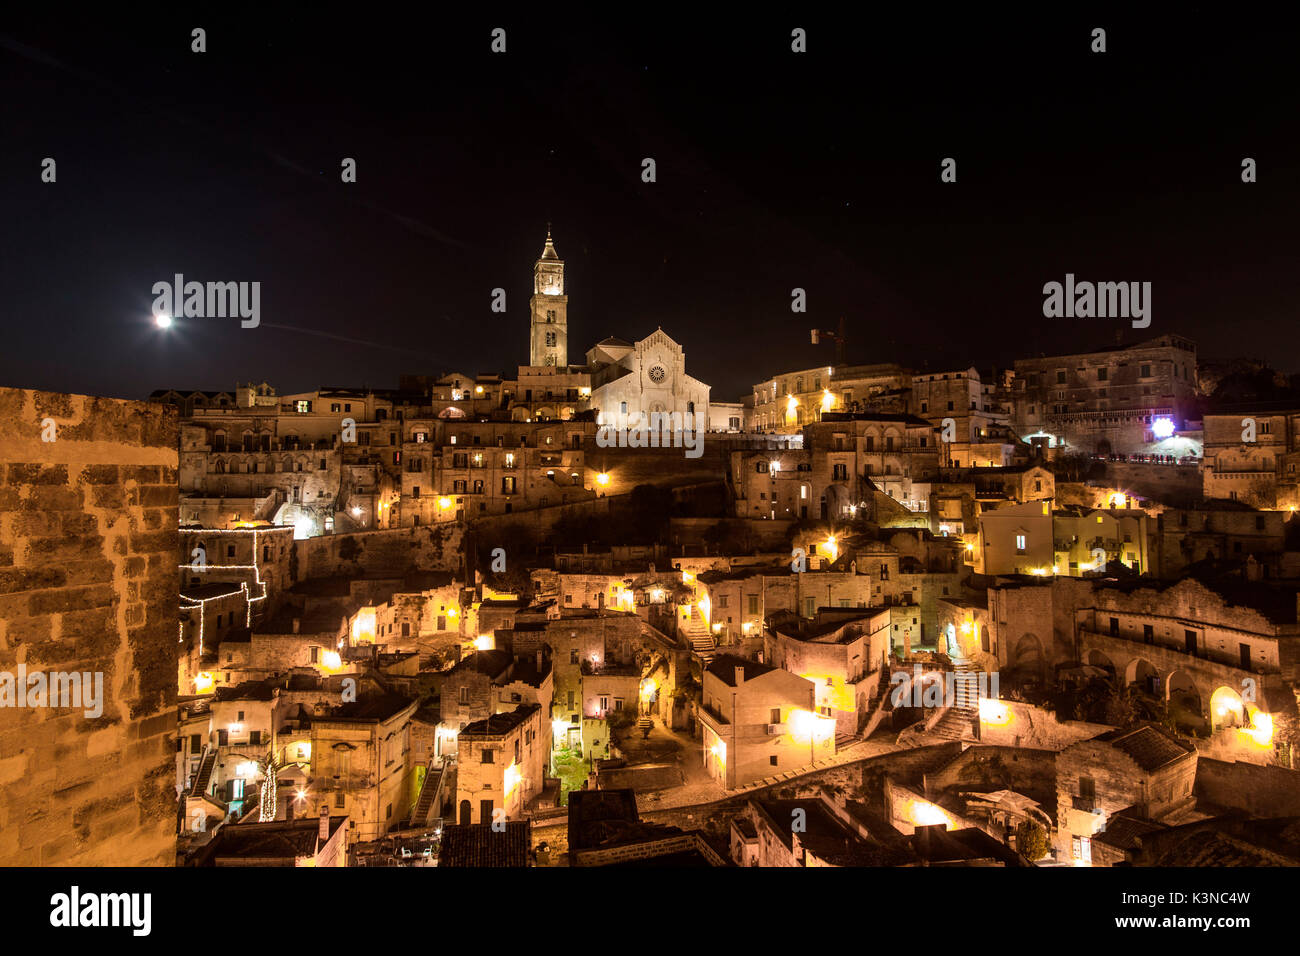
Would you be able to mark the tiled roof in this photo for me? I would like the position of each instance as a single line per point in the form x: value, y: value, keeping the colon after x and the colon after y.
x: 479, y: 845
x: 1149, y: 747
x: 723, y: 667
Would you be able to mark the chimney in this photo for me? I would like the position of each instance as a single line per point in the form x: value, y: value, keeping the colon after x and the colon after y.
x: 297, y: 623
x: 324, y: 832
x: 740, y: 676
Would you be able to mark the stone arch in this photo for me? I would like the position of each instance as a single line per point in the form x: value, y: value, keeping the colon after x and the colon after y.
x: 837, y: 501
x: 1142, y: 672
x: 544, y: 414
x: 1100, y: 659
x: 1028, y: 662
x: 519, y: 413
x: 1184, y: 700
x: 1227, y: 709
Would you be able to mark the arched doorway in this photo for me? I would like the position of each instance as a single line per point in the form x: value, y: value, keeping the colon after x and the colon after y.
x: 1184, y: 701
x: 1028, y: 664
x: 1141, y: 672
x: 1098, y: 659
x: 1226, y: 709
x: 464, y: 813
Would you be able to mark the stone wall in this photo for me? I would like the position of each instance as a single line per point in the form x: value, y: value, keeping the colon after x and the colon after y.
x: 1261, y: 791
x: 390, y: 553
x: 88, y: 542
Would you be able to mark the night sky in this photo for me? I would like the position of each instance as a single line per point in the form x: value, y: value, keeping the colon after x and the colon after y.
x: 775, y: 170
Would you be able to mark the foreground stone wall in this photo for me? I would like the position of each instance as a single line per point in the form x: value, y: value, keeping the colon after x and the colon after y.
x: 88, y: 543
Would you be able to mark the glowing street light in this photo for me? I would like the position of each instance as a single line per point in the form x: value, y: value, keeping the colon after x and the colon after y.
x: 163, y: 320
x: 602, y: 479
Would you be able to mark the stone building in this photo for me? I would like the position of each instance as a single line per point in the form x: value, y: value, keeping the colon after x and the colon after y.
x: 361, y: 762
x: 1146, y: 771
x: 843, y: 652
x: 501, y: 765
x: 549, y: 307
x: 1224, y: 531
x: 88, y: 625
x: 787, y: 402
x: 759, y: 721
x: 844, y: 460
x: 630, y: 383
x: 1121, y: 400
x: 970, y: 421
x: 1252, y: 455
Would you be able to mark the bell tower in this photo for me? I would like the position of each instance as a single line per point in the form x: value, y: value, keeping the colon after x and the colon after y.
x: 549, y: 338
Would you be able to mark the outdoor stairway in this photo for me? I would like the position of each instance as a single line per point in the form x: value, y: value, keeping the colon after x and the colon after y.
x: 962, y: 718
x: 204, y: 773
x: 696, y: 630
x: 645, y: 723
x: 433, y: 781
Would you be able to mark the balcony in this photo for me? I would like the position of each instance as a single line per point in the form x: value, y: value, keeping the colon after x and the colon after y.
x: 1087, y: 804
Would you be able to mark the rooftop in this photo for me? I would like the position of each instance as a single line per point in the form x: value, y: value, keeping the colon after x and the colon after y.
x: 1150, y: 746
x: 499, y: 724
x: 479, y: 844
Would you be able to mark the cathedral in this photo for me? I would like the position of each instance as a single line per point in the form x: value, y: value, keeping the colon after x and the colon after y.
x: 628, y: 381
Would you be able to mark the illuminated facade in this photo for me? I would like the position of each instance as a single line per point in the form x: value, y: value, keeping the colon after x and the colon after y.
x: 549, y: 306
x: 501, y: 765
x: 759, y: 721
x: 1106, y: 402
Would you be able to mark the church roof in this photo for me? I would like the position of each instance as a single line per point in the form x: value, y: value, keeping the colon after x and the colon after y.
x: 549, y: 251
x: 614, y: 342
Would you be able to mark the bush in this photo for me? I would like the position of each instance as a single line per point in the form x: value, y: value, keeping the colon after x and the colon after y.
x: 1031, y: 841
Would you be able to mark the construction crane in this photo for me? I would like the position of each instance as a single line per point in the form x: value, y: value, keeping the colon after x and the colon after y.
x: 836, y: 337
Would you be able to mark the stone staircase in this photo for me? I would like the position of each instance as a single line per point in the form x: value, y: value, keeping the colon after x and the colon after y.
x: 430, y: 793
x: 696, y: 631
x: 961, y: 720
x: 202, y: 776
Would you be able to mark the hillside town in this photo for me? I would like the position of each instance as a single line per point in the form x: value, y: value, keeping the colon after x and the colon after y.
x: 1038, y: 615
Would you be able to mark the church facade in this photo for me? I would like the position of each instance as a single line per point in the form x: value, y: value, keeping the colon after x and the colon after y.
x: 625, y: 383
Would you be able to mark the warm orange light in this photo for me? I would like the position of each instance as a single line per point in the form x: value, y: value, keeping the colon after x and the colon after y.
x: 203, y: 682
x: 363, y: 625
x: 994, y: 712
x: 808, y: 727
x: 602, y: 479
x: 483, y: 642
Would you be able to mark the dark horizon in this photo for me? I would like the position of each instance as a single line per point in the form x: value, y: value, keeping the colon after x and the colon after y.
x: 775, y: 170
